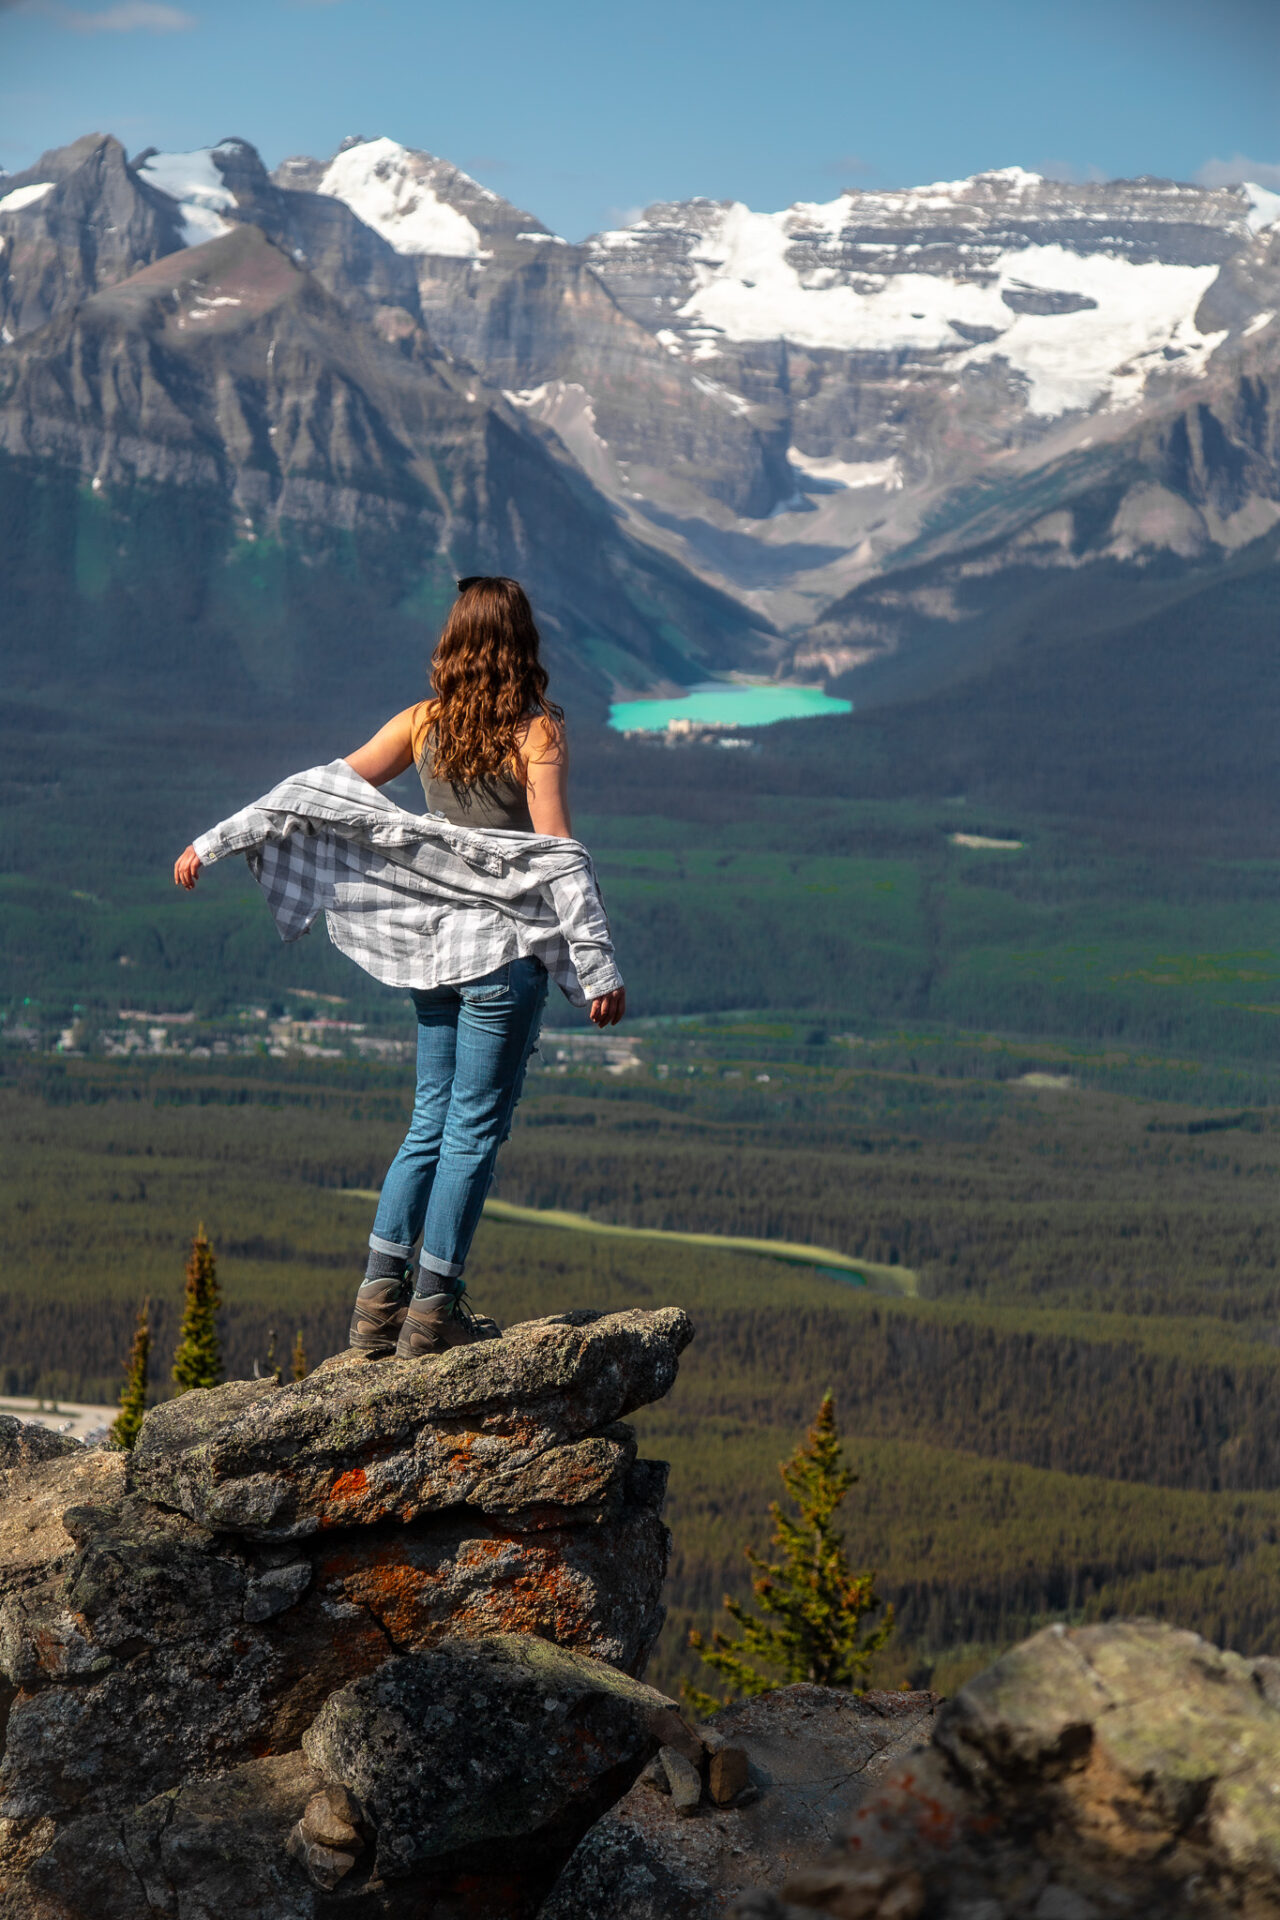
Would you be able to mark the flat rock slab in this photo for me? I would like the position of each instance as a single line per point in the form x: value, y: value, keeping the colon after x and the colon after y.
x: 812, y: 1752
x: 517, y: 1428
x: 217, y: 1846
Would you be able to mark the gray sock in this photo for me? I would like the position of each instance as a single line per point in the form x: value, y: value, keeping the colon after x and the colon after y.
x: 385, y: 1266
x: 434, y: 1286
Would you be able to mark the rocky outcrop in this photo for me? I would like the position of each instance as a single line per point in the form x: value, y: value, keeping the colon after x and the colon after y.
x: 1122, y: 1769
x: 372, y: 1644
x: 808, y: 1754
x: 393, y: 1611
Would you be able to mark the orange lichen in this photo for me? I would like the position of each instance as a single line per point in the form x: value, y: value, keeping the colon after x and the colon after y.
x: 478, y: 1591
x: 348, y: 1485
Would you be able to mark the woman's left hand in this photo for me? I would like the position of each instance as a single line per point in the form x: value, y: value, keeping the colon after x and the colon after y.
x: 609, y: 1008
x: 186, y: 869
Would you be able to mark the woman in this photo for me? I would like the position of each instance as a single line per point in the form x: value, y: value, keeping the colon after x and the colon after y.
x: 490, y: 750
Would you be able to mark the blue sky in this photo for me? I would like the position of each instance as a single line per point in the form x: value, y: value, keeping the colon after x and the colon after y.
x: 583, y: 112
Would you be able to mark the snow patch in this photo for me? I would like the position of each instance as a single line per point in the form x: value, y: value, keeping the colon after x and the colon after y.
x: 382, y: 183
x: 1258, y: 322
x: 19, y: 197
x: 849, y: 473
x: 1264, y: 207
x: 552, y: 239
x: 746, y: 287
x: 714, y: 391
x: 202, y: 307
x: 193, y: 180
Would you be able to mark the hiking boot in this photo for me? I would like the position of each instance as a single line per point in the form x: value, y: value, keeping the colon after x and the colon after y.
x: 436, y: 1322
x: 378, y: 1315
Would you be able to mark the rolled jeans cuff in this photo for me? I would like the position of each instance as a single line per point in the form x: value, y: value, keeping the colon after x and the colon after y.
x: 392, y: 1247
x: 440, y: 1269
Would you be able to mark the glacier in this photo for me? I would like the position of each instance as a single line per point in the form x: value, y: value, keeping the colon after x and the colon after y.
x: 383, y: 184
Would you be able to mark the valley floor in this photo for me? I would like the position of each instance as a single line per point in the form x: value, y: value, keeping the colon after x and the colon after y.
x: 1074, y: 1419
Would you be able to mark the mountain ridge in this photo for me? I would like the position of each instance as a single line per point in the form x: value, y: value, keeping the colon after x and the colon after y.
x: 735, y: 433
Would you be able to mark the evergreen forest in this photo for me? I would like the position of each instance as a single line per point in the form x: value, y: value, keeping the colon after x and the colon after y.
x: 1032, y: 1086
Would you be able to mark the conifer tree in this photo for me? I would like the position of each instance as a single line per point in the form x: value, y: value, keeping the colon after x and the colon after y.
x: 197, y: 1362
x: 813, y: 1604
x: 133, y: 1394
x: 299, y: 1358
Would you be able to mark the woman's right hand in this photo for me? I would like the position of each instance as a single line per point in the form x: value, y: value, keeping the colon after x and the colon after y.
x: 609, y: 1008
x: 186, y: 869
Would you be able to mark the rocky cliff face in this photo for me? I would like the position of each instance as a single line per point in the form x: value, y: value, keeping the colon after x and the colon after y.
x: 230, y: 382
x: 418, y: 1588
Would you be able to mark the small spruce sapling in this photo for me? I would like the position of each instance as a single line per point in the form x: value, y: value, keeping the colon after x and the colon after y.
x: 133, y: 1394
x: 197, y: 1362
x: 299, y: 1358
x: 813, y: 1605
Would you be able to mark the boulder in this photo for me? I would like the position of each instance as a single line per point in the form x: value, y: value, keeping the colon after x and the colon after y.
x: 482, y: 1742
x: 1124, y: 1769
x: 810, y: 1753
x: 267, y: 1560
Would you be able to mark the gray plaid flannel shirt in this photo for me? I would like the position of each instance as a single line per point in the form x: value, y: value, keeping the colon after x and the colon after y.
x: 413, y: 899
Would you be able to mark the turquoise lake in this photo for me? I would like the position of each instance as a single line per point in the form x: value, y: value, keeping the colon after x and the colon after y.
x: 729, y: 706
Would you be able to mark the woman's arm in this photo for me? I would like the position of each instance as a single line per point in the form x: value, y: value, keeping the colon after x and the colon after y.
x: 546, y: 772
x: 388, y: 753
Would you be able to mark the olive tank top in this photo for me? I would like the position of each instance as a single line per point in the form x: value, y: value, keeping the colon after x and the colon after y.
x: 499, y: 800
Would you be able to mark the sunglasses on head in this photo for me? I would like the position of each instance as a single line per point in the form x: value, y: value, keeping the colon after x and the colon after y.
x: 478, y: 580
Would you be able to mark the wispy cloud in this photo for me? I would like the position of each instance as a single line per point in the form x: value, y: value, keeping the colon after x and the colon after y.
x: 131, y: 16
x: 128, y: 16
x: 1229, y: 173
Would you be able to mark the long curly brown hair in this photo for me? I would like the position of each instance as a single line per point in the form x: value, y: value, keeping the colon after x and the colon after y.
x: 487, y: 680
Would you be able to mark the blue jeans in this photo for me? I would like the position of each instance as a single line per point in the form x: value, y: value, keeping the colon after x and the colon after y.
x: 474, y: 1042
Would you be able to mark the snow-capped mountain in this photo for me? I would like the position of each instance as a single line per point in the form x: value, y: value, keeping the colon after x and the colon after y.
x: 909, y: 338
x: 1083, y: 293
x: 225, y: 392
x: 827, y: 379
x: 777, y: 415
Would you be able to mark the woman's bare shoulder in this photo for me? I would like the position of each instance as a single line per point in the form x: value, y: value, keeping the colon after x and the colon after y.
x: 543, y: 738
x: 419, y: 718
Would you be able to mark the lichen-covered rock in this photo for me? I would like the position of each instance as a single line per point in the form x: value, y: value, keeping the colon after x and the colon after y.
x: 1126, y: 1769
x: 515, y: 1428
x: 594, y: 1588
x: 1138, y: 1744
x: 811, y: 1752
x: 482, y: 1741
x: 155, y: 1634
